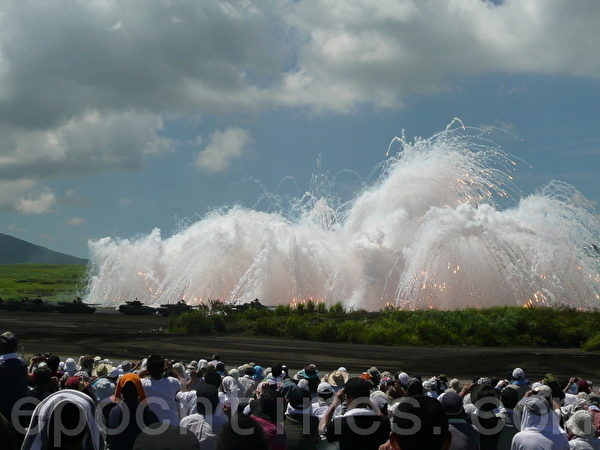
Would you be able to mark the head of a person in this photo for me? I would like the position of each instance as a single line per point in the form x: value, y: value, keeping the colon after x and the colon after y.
x: 243, y: 432
x: 8, y: 343
x: 509, y: 397
x: 485, y: 398
x: 207, y: 399
x: 453, y: 405
x: 581, y: 424
x: 220, y: 367
x: 420, y: 422
x: 249, y: 370
x: 277, y: 370
x: 583, y: 386
x: 454, y: 384
x: 518, y: 374
x: 129, y: 388
x: 53, y: 362
x: 212, y: 377
x: 325, y: 390
x: 216, y: 357
x: 535, y: 412
x: 357, y: 390
x: 271, y: 405
x: 42, y: 379
x: 87, y: 364
x: 156, y: 366
x: 67, y: 427
x: 414, y: 387
x: 298, y: 398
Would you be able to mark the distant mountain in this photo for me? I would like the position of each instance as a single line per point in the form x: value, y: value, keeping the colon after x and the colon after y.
x: 18, y: 251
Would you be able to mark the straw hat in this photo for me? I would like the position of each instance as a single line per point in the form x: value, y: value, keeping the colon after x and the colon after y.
x: 337, y: 378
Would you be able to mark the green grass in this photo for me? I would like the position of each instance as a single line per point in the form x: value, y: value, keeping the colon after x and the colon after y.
x: 501, y: 326
x: 48, y: 281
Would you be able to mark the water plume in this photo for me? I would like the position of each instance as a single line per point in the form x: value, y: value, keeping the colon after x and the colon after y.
x: 428, y: 233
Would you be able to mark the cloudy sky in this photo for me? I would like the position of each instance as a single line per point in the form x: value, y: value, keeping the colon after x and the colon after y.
x: 117, y: 117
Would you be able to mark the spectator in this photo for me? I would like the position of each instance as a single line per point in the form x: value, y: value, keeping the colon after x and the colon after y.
x: 205, y: 424
x: 464, y: 435
x: 128, y: 397
x: 13, y: 375
x: 242, y: 433
x: 419, y: 423
x: 539, y: 427
x: 360, y: 427
x: 161, y: 391
x: 76, y: 427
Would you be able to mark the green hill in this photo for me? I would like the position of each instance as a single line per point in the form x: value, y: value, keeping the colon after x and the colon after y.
x: 18, y: 251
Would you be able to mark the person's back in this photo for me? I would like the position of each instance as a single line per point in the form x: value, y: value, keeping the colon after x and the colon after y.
x: 464, y: 435
x: 301, y: 426
x: 13, y: 375
x: 205, y: 424
x: 161, y: 392
x: 360, y: 427
x: 539, y: 427
x: 509, y: 399
x: 419, y: 423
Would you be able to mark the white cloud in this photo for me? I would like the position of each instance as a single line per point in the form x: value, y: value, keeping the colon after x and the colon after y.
x: 87, y: 86
x: 224, y: 147
x: 76, y: 221
x: 26, y: 196
x: 40, y: 204
x: 378, y: 52
x: 14, y: 228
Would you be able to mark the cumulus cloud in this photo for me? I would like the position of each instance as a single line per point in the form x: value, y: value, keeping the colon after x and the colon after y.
x: 36, y: 205
x: 88, y: 86
x: 26, y: 196
x: 224, y: 147
x: 76, y: 221
x: 378, y: 52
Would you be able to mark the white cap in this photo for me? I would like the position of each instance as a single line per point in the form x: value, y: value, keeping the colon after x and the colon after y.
x: 343, y: 369
x: 518, y: 373
x: 324, y: 388
x: 403, y: 378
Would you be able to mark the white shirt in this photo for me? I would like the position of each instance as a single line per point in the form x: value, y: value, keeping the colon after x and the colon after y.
x: 204, y: 428
x: 533, y: 440
x: 161, y: 398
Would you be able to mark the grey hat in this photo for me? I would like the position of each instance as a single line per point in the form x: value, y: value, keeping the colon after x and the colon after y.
x: 581, y: 424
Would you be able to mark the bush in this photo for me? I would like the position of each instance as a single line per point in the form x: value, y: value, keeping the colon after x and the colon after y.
x: 500, y: 326
x: 592, y: 344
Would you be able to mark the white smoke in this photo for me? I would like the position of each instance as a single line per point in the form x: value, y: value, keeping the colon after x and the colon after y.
x: 428, y: 233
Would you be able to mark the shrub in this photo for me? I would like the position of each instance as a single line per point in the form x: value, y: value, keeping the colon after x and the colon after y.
x: 592, y: 344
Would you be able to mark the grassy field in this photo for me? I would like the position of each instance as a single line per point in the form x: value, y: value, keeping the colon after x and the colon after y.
x: 494, y: 327
x: 48, y: 281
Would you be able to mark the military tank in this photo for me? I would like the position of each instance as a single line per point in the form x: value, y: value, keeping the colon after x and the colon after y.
x: 172, y: 309
x: 37, y: 305
x: 75, y: 307
x: 136, y: 308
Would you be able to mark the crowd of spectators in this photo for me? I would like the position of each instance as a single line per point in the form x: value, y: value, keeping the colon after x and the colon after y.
x: 92, y: 403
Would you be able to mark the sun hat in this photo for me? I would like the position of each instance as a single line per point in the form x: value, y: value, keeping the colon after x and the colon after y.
x: 193, y: 365
x: 544, y: 390
x: 581, y: 424
x: 380, y: 399
x: 234, y: 373
x: 102, y: 370
x: 337, y: 378
x: 103, y: 388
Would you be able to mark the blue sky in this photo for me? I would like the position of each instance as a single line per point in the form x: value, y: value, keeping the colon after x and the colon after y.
x: 120, y: 117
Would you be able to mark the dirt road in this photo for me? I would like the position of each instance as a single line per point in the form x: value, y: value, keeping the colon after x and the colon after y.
x: 130, y: 337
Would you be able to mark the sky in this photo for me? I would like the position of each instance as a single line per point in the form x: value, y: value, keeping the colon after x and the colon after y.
x: 118, y: 117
